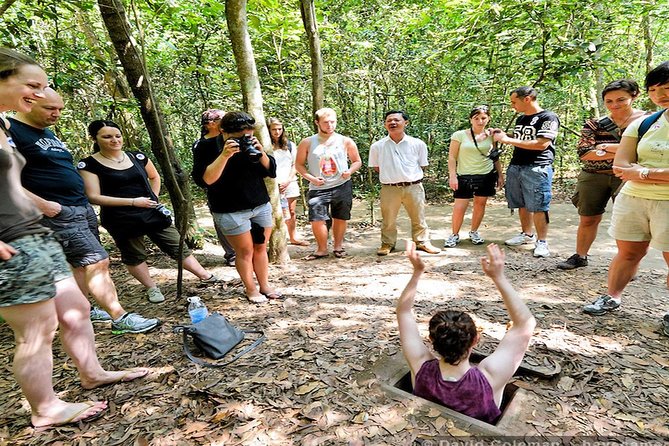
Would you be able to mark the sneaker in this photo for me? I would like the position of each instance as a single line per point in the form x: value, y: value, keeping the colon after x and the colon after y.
x: 99, y: 315
x: 476, y: 238
x: 541, y: 249
x: 155, y: 295
x: 210, y: 279
x: 665, y: 324
x: 573, y: 262
x: 603, y: 304
x: 451, y: 241
x: 521, y: 239
x: 384, y: 250
x: 133, y: 323
x: 427, y: 247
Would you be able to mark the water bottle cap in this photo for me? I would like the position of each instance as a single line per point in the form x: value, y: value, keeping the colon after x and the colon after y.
x: 194, y: 299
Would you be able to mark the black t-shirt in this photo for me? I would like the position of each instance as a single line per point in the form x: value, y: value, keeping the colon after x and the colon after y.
x: 49, y: 172
x: 544, y: 124
x: 127, y: 183
x: 241, y: 184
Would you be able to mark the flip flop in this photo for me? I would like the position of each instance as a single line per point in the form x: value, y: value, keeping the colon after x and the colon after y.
x: 124, y: 378
x: 340, y: 253
x: 315, y: 256
x: 257, y: 299
x: 74, y: 419
x: 300, y: 243
x: 274, y: 295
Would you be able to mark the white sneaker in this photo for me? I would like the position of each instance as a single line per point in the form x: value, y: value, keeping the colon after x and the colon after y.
x: 476, y: 238
x: 521, y: 239
x: 155, y: 296
x: 541, y: 249
x: 451, y: 241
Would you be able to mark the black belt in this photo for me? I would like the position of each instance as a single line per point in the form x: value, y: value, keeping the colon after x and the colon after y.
x: 406, y: 183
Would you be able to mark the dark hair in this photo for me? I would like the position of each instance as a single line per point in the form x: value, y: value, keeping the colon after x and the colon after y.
x: 237, y: 121
x: 525, y: 91
x: 627, y: 85
x: 208, y: 116
x: 478, y: 110
x: 95, y: 126
x: 658, y: 75
x: 11, y: 61
x: 282, y: 143
x: 404, y: 114
x: 452, y: 334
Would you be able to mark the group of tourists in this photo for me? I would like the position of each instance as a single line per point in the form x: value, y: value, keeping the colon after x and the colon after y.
x: 51, y: 257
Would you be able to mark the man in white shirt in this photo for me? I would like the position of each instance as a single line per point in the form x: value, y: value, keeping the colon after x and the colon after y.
x: 399, y: 160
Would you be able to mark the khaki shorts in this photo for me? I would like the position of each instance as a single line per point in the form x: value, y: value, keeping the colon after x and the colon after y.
x: 637, y: 219
x: 30, y: 275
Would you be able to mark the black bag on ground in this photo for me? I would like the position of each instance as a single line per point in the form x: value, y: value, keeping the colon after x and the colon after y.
x: 216, y: 337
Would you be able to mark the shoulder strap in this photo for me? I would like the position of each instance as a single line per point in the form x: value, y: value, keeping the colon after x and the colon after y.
x: 647, y: 122
x: 142, y: 173
x: 611, y: 127
x: 187, y: 352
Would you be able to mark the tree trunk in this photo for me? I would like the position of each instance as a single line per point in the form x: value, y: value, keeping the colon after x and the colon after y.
x: 176, y: 180
x: 235, y: 13
x: 311, y: 27
x: 5, y: 6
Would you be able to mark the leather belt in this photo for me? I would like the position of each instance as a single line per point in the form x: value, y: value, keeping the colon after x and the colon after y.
x: 406, y: 183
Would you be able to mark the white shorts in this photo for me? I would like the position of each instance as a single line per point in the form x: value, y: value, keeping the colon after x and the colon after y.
x: 637, y: 219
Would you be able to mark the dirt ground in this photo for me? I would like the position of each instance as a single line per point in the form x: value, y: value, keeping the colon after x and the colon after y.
x: 337, y: 321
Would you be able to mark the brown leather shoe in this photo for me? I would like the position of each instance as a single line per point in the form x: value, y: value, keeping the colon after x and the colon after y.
x: 384, y: 250
x: 428, y: 248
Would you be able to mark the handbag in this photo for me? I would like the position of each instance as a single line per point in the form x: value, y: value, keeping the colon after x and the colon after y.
x: 216, y: 337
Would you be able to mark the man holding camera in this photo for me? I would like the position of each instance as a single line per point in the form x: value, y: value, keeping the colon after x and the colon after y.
x: 55, y: 186
x: 330, y: 190
x: 399, y: 159
x: 530, y: 173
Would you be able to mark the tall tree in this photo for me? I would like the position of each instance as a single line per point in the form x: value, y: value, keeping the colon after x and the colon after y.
x: 235, y: 13
x: 311, y: 27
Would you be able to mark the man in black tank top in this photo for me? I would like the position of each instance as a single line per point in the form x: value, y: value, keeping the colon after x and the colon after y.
x: 55, y: 186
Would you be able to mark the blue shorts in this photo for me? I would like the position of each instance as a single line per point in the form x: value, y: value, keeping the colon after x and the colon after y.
x: 529, y: 187
x: 335, y: 202
x: 30, y: 275
x: 76, y: 229
x: 236, y: 223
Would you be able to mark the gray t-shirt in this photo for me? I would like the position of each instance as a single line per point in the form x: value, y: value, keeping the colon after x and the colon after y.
x: 328, y: 161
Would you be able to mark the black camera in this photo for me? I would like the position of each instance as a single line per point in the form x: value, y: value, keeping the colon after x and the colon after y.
x: 247, y: 147
x: 494, y: 153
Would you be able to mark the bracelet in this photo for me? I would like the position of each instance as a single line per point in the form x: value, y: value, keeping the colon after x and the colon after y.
x: 643, y: 173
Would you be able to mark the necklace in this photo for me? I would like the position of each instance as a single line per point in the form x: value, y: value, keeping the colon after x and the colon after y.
x: 622, y: 123
x: 113, y: 159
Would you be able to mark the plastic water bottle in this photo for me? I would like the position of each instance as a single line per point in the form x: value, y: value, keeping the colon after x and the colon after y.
x: 196, y: 309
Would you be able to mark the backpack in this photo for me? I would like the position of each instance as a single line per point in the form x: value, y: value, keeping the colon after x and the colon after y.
x: 648, y: 122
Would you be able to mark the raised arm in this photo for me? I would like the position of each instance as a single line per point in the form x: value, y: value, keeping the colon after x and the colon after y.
x: 532, y: 144
x: 500, y: 366
x: 413, y: 347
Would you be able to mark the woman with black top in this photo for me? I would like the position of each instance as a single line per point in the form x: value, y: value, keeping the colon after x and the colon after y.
x: 126, y: 186
x: 232, y: 168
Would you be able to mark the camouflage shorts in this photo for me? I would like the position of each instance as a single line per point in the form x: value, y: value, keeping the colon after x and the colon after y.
x: 31, y: 274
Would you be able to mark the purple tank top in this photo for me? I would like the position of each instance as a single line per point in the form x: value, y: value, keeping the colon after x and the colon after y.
x: 471, y: 395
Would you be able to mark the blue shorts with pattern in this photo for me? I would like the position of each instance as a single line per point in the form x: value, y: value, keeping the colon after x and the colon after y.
x: 529, y: 187
x: 30, y: 275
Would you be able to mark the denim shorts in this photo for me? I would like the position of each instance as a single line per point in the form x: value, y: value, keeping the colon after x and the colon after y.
x: 30, y: 275
x: 529, y: 187
x: 335, y: 202
x: 236, y: 223
x: 76, y: 229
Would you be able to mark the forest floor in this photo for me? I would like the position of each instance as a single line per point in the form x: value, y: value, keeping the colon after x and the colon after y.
x: 301, y: 385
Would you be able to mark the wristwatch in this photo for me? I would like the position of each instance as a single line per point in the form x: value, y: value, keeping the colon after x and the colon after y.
x: 600, y: 152
x: 643, y: 173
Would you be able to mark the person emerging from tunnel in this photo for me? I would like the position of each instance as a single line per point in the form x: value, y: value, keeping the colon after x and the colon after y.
x: 449, y: 378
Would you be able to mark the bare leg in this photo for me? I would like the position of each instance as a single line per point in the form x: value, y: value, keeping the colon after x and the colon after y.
x: 101, y: 287
x: 243, y: 245
x: 587, y: 233
x: 458, y: 216
x: 292, y: 223
x: 34, y: 327
x: 525, y: 221
x: 76, y: 334
x: 478, y: 212
x: 540, y: 224
x: 142, y: 274
x: 191, y: 264
x: 261, y: 264
x: 338, y: 231
x: 624, y: 265
x: 320, y: 231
